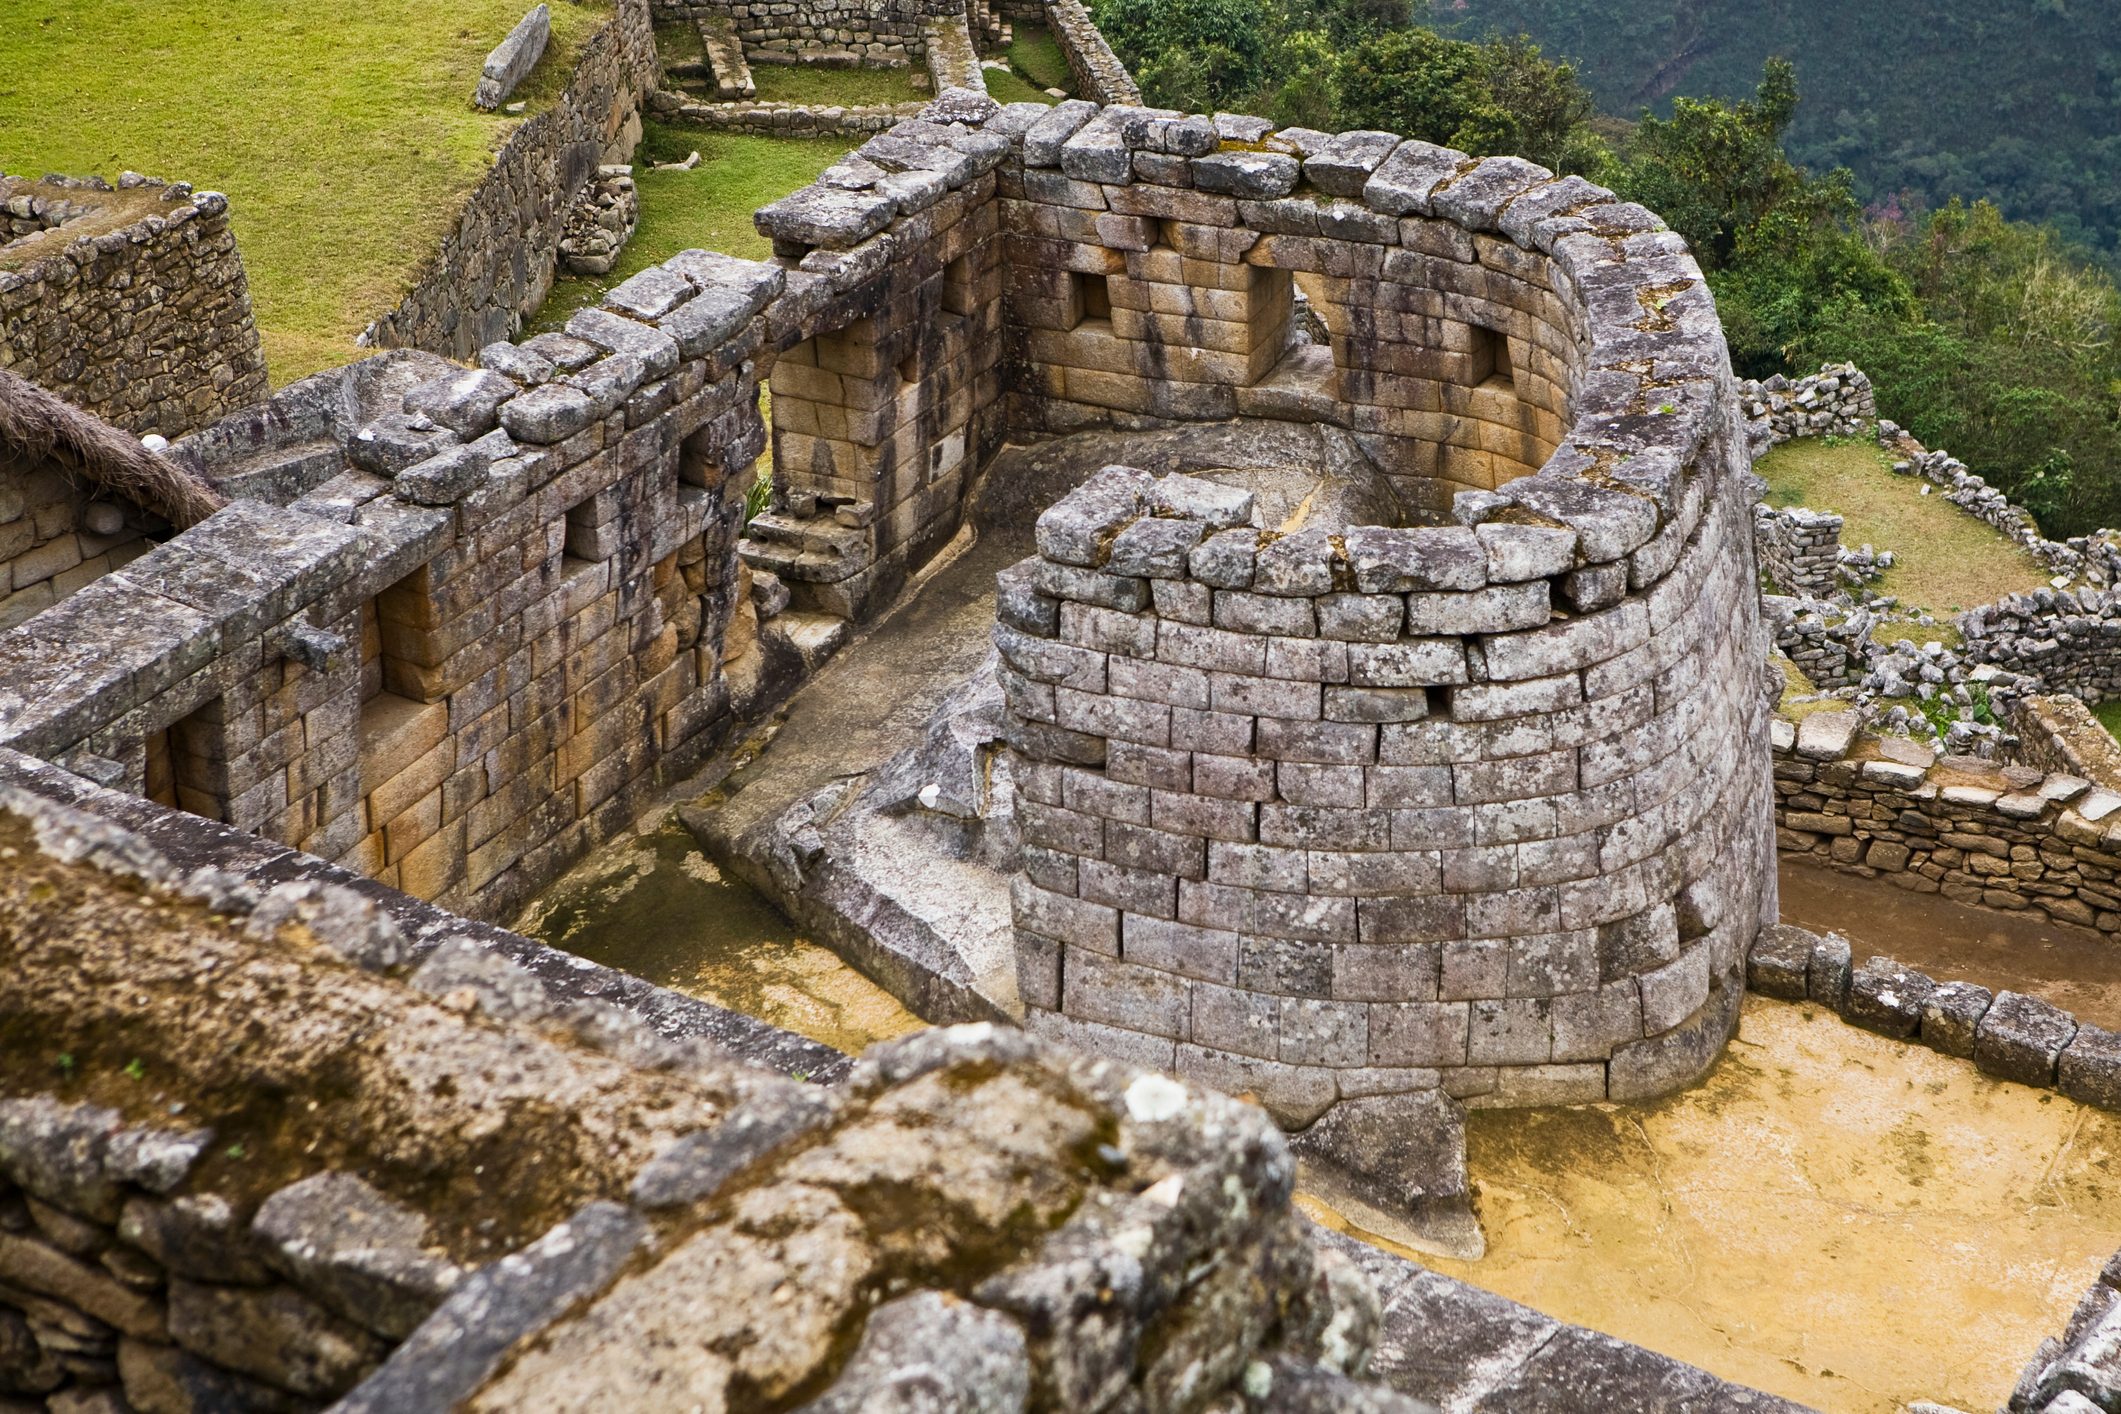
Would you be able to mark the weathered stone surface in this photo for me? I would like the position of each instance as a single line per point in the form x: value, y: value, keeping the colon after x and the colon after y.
x: 356, y: 1251
x: 459, y: 1346
x: 469, y: 403
x: 2021, y: 1038
x: 1780, y: 962
x: 1887, y: 997
x: 1951, y: 1015
x: 513, y: 58
x: 548, y: 414
x: 2089, y: 1068
x: 274, y: 1334
x: 932, y: 1354
x: 1396, y: 1165
x: 445, y: 478
x: 699, y: 1164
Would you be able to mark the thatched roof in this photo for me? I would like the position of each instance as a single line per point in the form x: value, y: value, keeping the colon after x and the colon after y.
x: 35, y: 425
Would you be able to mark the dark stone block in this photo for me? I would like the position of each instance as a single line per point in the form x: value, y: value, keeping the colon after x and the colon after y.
x: 1827, y: 973
x: 1780, y: 961
x: 2021, y: 1038
x: 1887, y: 997
x: 1950, y: 1015
x: 1396, y: 1166
x: 2089, y: 1070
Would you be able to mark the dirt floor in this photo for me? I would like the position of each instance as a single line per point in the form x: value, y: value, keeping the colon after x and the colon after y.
x: 653, y: 905
x: 1851, y: 1222
x: 2075, y: 968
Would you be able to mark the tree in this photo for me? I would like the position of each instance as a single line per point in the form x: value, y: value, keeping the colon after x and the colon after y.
x: 1198, y: 55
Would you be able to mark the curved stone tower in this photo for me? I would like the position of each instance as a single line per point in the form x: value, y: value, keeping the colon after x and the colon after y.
x: 1478, y: 800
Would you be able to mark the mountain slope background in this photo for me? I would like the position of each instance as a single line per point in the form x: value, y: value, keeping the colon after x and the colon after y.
x: 2018, y: 101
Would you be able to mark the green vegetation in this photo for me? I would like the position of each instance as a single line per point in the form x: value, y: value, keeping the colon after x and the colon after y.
x: 1005, y: 86
x: 2109, y: 715
x: 707, y: 208
x: 343, y: 135
x: 852, y: 88
x: 678, y: 41
x: 2019, y: 103
x: 1944, y: 560
x: 1036, y: 55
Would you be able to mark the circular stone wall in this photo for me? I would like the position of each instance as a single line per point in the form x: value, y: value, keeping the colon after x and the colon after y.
x: 1331, y: 814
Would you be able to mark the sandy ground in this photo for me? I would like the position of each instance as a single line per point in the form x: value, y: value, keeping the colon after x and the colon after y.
x: 655, y: 906
x: 1844, y: 1220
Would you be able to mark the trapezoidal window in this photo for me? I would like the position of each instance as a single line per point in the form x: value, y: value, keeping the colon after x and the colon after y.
x: 1489, y: 361
x: 1089, y: 297
x: 182, y: 769
x: 405, y: 747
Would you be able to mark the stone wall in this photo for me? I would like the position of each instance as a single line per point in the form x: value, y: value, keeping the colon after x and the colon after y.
x: 2060, y: 735
x: 58, y: 533
x: 496, y: 263
x: 783, y: 119
x: 1837, y: 401
x: 1799, y: 549
x: 2006, y: 1034
x: 460, y: 626
x: 131, y: 304
x: 277, y: 1191
x: 2008, y: 837
x: 1339, y: 813
x: 1098, y: 73
x: 879, y: 425
x: 869, y: 33
x: 2069, y: 639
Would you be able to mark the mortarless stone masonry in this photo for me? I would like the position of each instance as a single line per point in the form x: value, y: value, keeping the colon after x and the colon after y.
x: 130, y: 303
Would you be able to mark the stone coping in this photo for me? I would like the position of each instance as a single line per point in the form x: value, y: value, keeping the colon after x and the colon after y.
x: 86, y: 215
x: 1655, y: 379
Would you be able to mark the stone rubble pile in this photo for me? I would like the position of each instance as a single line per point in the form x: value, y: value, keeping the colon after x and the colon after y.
x: 600, y: 222
x: 2080, y: 1371
x: 1837, y: 401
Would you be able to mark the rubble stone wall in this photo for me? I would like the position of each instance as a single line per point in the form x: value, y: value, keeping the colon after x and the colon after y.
x: 131, y: 303
x: 1800, y: 549
x: 1098, y: 73
x: 496, y: 264
x: 1342, y: 813
x: 2009, y: 837
x: 1837, y: 401
x: 783, y: 119
x: 871, y: 33
x: 57, y: 534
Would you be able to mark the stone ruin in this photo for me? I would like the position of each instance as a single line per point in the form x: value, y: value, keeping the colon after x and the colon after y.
x: 1379, y: 716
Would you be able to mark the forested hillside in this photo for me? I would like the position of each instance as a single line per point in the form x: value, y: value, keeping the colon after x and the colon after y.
x: 2018, y: 101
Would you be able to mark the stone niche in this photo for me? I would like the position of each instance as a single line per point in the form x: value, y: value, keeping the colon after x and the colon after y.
x: 1476, y: 799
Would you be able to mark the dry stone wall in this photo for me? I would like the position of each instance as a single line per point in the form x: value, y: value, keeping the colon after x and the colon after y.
x: 886, y: 34
x: 1099, y: 74
x: 1800, y: 549
x: 130, y: 303
x: 57, y: 534
x: 748, y: 115
x: 496, y: 263
x: 2008, y: 837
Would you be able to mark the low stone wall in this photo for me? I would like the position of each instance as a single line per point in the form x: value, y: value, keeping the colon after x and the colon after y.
x: 870, y: 33
x: 782, y: 119
x: 1099, y: 75
x: 1799, y: 549
x: 497, y: 262
x: 130, y: 303
x: 2060, y: 734
x: 2005, y: 1034
x: 2009, y: 837
x: 1830, y: 643
x: 1837, y: 401
x: 2068, y: 639
x: 58, y: 534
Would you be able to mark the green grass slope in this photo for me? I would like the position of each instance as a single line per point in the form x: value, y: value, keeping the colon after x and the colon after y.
x: 2018, y: 101
x: 343, y: 134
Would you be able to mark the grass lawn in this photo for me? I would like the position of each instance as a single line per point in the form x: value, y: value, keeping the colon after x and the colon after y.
x: 811, y: 84
x: 678, y: 41
x: 343, y: 135
x: 1946, y: 561
x: 2109, y: 715
x: 1036, y: 54
x: 707, y: 208
x: 1004, y: 86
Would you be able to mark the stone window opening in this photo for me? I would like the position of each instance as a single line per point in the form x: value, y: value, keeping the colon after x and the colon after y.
x: 1439, y: 702
x: 181, y: 770
x: 405, y: 746
x: 1089, y: 300
x: 1489, y: 362
x: 590, y: 535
